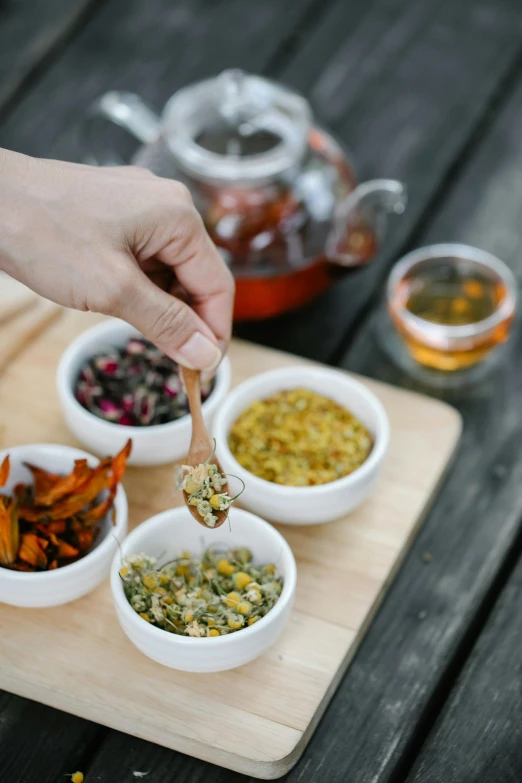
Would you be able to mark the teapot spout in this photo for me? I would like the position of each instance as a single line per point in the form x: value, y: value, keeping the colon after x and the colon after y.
x: 361, y: 221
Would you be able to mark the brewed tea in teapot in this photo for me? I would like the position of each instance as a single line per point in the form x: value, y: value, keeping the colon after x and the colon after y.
x: 276, y: 192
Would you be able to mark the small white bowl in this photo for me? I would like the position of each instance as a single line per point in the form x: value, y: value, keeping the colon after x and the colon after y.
x: 168, y: 534
x: 305, y: 505
x: 155, y: 445
x: 53, y: 588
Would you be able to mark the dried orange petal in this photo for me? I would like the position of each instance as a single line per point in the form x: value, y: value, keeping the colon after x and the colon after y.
x: 90, y: 489
x: 85, y: 538
x: 57, y: 527
x: 66, y: 551
x: 19, y: 566
x: 65, y: 485
x: 20, y: 490
x: 93, y: 515
x: 42, y: 480
x: 5, y: 467
x: 119, y: 463
x: 9, y: 531
x: 32, y: 550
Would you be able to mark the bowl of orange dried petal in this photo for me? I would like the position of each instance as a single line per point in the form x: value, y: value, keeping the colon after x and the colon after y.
x: 63, y: 513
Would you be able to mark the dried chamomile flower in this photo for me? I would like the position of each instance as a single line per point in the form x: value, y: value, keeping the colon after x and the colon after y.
x: 203, y: 484
x: 299, y: 438
x: 218, y: 593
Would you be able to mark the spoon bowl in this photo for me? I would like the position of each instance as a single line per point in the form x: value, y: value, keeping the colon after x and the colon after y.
x: 201, y: 444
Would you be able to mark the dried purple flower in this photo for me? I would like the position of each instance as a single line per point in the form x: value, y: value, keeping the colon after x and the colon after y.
x: 139, y: 396
x: 108, y: 365
x: 153, y: 379
x: 127, y: 403
x: 87, y: 393
x: 172, y: 385
x: 110, y: 410
x: 136, y: 347
x: 136, y: 385
x: 80, y: 396
x: 87, y: 375
x: 147, y: 408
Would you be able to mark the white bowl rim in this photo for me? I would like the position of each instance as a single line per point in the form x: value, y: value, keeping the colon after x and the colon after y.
x: 84, y: 563
x: 113, y: 428
x: 381, y: 435
x: 141, y: 625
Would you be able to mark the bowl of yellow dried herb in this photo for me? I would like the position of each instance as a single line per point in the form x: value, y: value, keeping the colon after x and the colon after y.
x: 308, y: 442
x: 114, y: 385
x: 63, y: 514
x: 200, y: 601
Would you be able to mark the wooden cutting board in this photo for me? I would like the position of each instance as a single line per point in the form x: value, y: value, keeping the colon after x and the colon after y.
x: 256, y: 719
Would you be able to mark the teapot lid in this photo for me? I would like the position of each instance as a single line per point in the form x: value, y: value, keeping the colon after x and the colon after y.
x: 236, y: 127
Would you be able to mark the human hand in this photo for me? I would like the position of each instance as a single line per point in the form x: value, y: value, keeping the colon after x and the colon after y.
x: 118, y: 241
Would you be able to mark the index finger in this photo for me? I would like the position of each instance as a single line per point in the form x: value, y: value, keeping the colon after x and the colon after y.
x: 202, y: 272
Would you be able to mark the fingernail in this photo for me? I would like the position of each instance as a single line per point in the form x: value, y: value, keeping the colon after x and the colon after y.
x: 199, y: 353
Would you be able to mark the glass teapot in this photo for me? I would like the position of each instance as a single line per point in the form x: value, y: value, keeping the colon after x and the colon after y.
x: 277, y: 194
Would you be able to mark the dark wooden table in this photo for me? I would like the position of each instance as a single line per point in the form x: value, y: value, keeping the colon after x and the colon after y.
x: 430, y: 92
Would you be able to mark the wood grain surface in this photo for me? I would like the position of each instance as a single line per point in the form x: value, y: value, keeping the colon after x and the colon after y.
x: 151, y: 48
x: 404, y: 85
x: 275, y: 702
x: 474, y: 529
x: 453, y: 70
x: 478, y: 736
x: 30, y: 32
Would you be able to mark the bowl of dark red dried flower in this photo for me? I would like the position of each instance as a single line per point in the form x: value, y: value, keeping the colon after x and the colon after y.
x: 63, y: 515
x: 114, y: 385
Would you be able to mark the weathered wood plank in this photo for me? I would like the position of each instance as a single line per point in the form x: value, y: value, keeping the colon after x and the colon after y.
x: 365, y: 732
x: 371, y: 726
x: 472, y: 530
x: 38, y: 743
x: 150, y: 48
x: 29, y: 34
x: 403, y: 85
x: 479, y: 734
x: 160, y: 46
x: 355, y: 740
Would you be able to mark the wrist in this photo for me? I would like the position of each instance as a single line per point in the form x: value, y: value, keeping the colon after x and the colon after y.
x: 14, y: 201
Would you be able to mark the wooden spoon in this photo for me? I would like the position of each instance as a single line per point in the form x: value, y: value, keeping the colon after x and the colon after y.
x: 201, y: 444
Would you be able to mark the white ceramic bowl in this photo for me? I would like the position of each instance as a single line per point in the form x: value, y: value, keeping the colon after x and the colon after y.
x: 52, y: 588
x: 156, y: 445
x: 305, y: 505
x: 167, y: 535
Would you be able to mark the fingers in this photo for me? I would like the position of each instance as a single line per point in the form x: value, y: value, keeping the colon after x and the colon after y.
x: 163, y: 224
x: 165, y: 320
x: 200, y: 270
x: 129, y: 172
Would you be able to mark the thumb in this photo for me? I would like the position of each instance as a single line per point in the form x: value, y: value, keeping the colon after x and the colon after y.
x: 169, y: 323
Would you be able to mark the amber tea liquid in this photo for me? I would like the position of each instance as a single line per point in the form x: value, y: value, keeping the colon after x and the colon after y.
x: 271, y: 235
x: 452, y: 295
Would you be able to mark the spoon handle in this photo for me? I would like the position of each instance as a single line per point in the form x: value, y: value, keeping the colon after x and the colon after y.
x: 201, y: 443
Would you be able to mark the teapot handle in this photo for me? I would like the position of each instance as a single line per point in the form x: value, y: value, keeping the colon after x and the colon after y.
x: 127, y: 111
x: 361, y: 221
